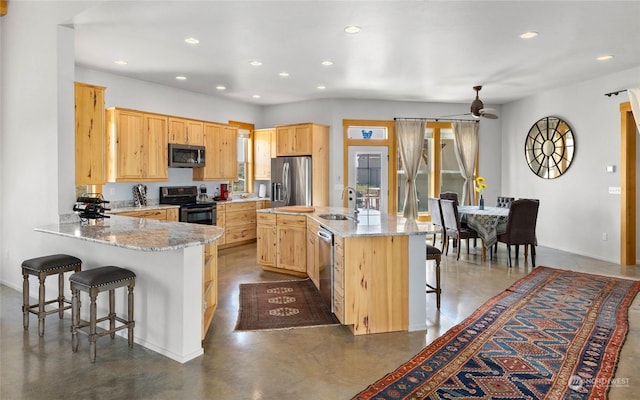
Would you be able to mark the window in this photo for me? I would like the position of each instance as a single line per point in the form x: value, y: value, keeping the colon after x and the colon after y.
x: 423, y: 180
x: 240, y: 185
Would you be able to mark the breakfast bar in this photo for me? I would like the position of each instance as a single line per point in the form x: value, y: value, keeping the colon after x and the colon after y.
x: 173, y: 273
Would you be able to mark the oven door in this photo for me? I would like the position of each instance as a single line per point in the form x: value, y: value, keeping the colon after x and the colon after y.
x: 201, y: 214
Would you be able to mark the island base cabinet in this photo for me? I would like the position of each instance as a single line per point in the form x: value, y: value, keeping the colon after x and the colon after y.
x: 209, y: 285
x: 375, y: 296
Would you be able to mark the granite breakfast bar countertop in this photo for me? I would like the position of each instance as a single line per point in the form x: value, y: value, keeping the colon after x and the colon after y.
x: 137, y: 233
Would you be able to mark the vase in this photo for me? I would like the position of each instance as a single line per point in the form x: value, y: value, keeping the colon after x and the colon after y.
x: 481, y: 203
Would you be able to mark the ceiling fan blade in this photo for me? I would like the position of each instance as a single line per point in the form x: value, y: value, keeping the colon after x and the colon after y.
x: 489, y: 113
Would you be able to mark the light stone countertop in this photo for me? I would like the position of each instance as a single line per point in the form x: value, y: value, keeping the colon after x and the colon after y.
x: 143, y: 208
x: 137, y: 233
x: 370, y: 222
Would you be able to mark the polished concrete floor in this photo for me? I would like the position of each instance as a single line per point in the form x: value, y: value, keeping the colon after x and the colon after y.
x: 306, y: 363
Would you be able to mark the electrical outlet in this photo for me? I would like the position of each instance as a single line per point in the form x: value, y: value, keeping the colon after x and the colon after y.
x: 604, y: 236
x: 614, y: 190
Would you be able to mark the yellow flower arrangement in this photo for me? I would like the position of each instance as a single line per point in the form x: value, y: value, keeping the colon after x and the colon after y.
x: 479, y: 184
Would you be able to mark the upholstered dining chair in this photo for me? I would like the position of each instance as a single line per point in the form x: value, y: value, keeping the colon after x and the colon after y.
x: 450, y: 196
x: 504, y: 201
x: 451, y: 219
x: 521, y: 227
x: 436, y: 221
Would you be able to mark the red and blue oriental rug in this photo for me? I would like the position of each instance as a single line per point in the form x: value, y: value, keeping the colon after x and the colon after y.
x: 554, y: 334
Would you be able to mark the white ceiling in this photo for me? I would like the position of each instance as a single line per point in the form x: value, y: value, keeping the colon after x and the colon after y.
x: 433, y: 51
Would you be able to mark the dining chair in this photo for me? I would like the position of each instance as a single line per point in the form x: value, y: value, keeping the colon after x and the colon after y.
x: 450, y: 196
x: 436, y: 220
x: 451, y: 219
x: 504, y: 201
x: 521, y: 227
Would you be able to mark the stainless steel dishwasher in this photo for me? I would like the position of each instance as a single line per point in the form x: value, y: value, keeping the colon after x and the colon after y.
x: 326, y: 265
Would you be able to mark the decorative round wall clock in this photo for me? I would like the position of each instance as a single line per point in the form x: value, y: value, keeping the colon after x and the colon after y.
x: 549, y: 147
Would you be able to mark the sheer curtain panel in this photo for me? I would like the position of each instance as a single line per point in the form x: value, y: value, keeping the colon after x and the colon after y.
x: 410, y: 135
x: 634, y: 99
x: 466, y: 145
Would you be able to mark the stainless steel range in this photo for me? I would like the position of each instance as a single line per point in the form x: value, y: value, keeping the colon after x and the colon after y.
x: 193, y: 208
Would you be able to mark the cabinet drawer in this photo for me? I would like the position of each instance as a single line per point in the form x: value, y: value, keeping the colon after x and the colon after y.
x: 241, y: 217
x: 292, y: 221
x: 264, y: 218
x: 238, y: 233
x: 151, y: 214
x: 246, y: 205
x: 338, y: 305
x: 338, y: 272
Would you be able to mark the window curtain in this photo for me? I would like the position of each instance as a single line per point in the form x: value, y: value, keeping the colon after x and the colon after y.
x: 466, y: 149
x: 410, y: 136
x: 634, y: 99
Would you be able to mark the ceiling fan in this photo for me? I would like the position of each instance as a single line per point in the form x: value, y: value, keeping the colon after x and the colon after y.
x: 477, y: 107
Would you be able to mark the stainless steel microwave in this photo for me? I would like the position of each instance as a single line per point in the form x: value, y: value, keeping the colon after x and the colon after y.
x: 186, y: 156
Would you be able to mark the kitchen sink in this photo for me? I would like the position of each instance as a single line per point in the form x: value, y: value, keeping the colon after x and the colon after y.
x: 337, y: 217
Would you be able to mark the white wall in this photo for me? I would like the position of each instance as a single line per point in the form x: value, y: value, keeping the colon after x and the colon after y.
x: 575, y: 209
x: 332, y: 113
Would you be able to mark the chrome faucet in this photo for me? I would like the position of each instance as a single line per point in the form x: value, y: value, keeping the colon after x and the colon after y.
x: 355, y: 204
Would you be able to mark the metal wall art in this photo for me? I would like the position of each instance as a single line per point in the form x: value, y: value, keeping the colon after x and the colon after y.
x: 549, y: 147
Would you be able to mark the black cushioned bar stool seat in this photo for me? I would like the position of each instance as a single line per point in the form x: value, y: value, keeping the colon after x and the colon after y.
x: 43, y: 267
x: 434, y: 253
x: 94, y: 281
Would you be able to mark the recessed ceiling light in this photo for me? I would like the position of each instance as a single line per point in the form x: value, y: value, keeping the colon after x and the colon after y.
x: 255, y: 63
x: 321, y: 87
x: 327, y: 63
x: 605, y: 57
x: 181, y: 78
x: 120, y: 62
x: 284, y: 74
x: 221, y: 87
x: 256, y: 96
x: 529, y: 35
x: 352, y: 29
x: 192, y: 40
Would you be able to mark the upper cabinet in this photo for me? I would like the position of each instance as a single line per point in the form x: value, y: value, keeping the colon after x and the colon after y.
x: 137, y: 146
x: 312, y: 140
x: 186, y: 131
x: 264, y: 147
x: 221, y: 142
x: 91, y: 144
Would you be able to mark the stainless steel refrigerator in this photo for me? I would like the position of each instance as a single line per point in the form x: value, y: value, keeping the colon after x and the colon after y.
x: 290, y: 181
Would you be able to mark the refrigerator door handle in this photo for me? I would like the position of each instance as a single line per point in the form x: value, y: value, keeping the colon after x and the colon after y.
x: 285, y: 183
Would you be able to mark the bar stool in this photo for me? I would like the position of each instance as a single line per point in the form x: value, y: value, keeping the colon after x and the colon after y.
x: 434, y: 253
x: 94, y: 281
x: 43, y: 267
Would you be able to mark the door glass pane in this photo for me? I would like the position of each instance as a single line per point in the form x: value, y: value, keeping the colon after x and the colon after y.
x: 368, y: 180
x: 451, y: 178
x: 423, y: 178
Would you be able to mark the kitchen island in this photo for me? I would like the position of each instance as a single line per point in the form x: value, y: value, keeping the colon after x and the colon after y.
x: 175, y: 292
x: 379, y: 270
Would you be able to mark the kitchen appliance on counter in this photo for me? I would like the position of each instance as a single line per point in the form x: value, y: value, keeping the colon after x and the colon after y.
x: 192, y: 209
x: 91, y: 207
x: 290, y: 181
x: 203, y: 197
x: 224, y: 191
x: 186, y: 156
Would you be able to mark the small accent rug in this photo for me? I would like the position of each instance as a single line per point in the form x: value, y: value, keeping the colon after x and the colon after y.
x: 282, y: 305
x: 554, y: 334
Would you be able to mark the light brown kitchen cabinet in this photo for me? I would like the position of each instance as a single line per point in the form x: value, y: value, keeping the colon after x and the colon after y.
x: 313, y: 140
x: 221, y: 162
x: 291, y: 236
x: 239, y: 222
x: 186, y: 131
x: 338, y: 278
x: 209, y: 285
x: 266, y: 234
x: 165, y: 214
x: 313, y: 252
x: 90, y: 135
x: 263, y: 150
x: 137, y: 146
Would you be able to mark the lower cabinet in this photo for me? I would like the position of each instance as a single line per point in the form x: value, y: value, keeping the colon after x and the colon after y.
x: 167, y: 214
x: 283, y: 249
x: 338, y: 278
x: 239, y: 222
x: 313, y: 252
x: 209, y: 285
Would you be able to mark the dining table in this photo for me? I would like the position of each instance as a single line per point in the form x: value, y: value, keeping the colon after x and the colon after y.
x: 489, y: 222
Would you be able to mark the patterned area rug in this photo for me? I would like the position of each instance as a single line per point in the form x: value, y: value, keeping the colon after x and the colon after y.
x: 554, y: 334
x: 281, y: 305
